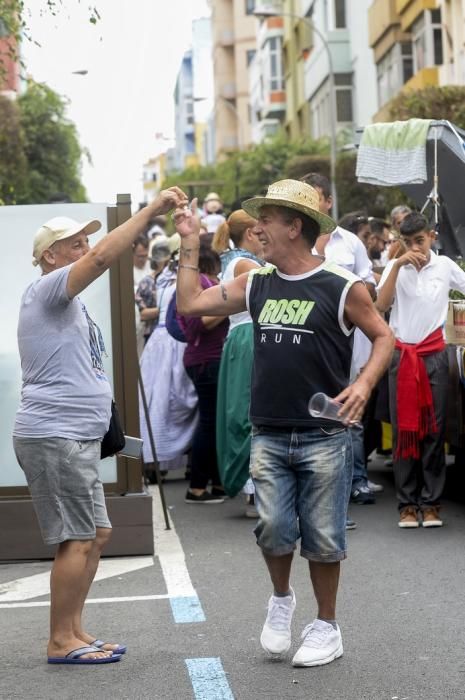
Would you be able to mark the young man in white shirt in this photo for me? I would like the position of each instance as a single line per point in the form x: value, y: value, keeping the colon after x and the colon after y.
x: 417, y: 286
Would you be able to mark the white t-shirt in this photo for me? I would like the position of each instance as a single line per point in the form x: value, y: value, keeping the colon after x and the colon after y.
x: 347, y: 250
x: 421, y: 297
x: 227, y: 276
x: 65, y: 391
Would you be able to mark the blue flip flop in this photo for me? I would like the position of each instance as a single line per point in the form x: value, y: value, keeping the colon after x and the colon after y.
x: 120, y: 648
x: 74, y: 657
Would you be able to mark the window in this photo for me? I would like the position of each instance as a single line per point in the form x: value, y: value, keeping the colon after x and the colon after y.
x: 343, y: 87
x: 344, y: 105
x: 427, y: 40
x: 394, y: 70
x: 249, y: 7
x: 334, y: 15
x: 340, y: 21
x: 320, y: 105
x: 250, y: 56
x: 273, y: 64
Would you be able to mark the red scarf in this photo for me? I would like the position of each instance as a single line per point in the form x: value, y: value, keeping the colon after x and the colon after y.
x: 415, y: 409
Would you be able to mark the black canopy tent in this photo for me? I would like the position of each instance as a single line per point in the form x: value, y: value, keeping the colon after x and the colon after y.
x: 445, y: 185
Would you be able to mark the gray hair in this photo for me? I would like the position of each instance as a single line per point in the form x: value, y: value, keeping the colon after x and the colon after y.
x: 400, y: 209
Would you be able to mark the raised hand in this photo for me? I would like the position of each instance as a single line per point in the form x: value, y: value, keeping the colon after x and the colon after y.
x: 412, y: 258
x: 168, y: 199
x: 186, y: 220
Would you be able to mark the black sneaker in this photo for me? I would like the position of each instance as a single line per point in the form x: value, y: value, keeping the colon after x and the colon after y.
x: 363, y: 496
x: 221, y: 493
x: 205, y: 497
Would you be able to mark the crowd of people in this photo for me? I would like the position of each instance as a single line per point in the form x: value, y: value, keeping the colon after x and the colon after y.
x: 240, y: 320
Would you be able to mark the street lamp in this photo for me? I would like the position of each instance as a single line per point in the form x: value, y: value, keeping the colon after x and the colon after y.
x: 265, y: 12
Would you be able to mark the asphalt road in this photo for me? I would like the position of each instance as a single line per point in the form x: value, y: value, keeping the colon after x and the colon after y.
x: 401, y: 612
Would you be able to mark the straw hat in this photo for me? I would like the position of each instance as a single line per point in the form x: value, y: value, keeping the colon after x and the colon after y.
x: 294, y: 195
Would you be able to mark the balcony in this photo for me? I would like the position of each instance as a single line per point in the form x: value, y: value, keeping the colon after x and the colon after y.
x: 273, y: 26
x: 274, y: 105
x: 226, y: 38
x: 382, y: 16
x: 411, y: 10
x: 424, y: 78
x: 228, y: 91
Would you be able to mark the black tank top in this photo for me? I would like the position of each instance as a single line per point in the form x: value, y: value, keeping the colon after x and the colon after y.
x: 301, y: 343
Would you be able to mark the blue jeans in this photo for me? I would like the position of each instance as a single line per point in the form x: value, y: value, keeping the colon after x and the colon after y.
x: 302, y: 480
x: 360, y: 475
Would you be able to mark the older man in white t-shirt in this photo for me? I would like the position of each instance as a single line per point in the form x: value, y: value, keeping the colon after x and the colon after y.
x: 64, y: 413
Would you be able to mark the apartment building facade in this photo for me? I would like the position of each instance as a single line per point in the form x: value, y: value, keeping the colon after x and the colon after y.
x: 10, y: 78
x: 340, y: 35
x: 266, y: 80
x: 416, y: 43
x: 234, y: 46
x: 184, y: 122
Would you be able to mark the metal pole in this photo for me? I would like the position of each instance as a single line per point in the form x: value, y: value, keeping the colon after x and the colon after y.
x: 332, y: 114
x: 271, y: 12
x: 152, y: 445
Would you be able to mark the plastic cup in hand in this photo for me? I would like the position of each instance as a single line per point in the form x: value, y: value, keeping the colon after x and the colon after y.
x: 323, y: 406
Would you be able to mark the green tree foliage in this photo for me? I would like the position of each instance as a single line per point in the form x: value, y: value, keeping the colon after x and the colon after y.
x: 247, y: 173
x: 13, y: 162
x: 355, y: 196
x: 447, y: 102
x: 52, y: 146
x: 243, y: 174
x: 40, y: 153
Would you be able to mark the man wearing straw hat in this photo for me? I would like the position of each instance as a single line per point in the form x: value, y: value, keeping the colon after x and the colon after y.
x: 304, y: 312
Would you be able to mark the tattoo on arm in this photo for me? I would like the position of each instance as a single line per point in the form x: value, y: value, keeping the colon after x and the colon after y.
x: 186, y: 252
x: 224, y: 293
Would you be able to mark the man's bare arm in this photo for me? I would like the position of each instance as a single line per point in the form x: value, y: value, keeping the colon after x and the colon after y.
x: 361, y: 312
x: 105, y: 252
x: 191, y: 300
x: 223, y: 299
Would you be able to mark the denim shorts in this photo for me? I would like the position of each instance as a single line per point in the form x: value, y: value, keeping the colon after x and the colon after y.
x: 64, y: 482
x: 302, y: 481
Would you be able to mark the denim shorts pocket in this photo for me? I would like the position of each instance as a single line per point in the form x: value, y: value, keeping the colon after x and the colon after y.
x: 330, y: 432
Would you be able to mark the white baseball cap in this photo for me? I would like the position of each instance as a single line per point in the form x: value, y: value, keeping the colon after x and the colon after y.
x: 57, y: 229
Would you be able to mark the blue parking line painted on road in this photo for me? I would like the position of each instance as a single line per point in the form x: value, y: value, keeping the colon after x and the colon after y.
x: 187, y: 609
x: 209, y: 679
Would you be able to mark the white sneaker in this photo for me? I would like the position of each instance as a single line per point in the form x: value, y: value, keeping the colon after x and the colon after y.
x: 276, y: 634
x: 322, y: 644
x: 375, y: 488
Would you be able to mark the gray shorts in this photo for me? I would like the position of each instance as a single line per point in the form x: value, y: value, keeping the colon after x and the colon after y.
x: 64, y: 482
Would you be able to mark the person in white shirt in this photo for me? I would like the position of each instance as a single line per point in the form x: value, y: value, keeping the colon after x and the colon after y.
x: 416, y: 286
